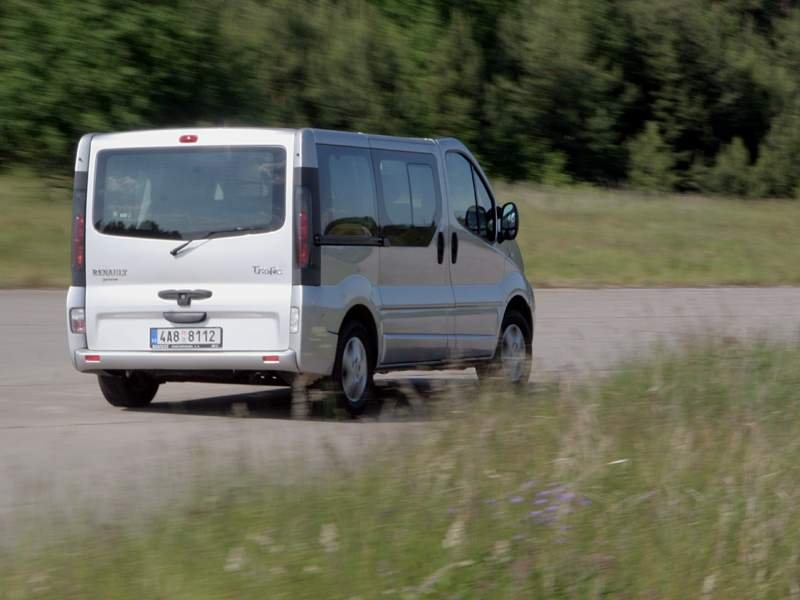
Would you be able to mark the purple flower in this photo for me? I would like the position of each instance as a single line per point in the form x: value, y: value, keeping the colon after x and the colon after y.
x: 516, y: 499
x: 541, y: 501
x: 584, y: 501
x: 551, y: 509
x: 566, y: 496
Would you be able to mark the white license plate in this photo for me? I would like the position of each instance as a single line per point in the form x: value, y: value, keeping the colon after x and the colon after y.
x: 185, y: 338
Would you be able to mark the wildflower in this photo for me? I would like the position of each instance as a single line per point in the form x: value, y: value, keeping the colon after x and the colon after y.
x: 516, y: 499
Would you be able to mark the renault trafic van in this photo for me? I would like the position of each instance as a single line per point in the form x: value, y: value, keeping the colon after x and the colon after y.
x: 275, y: 256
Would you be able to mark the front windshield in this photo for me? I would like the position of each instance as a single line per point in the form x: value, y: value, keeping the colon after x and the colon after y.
x: 187, y: 193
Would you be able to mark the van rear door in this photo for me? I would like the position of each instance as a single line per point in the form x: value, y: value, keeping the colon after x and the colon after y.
x: 189, y: 241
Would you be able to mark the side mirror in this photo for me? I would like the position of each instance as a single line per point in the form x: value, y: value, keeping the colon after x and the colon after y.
x: 509, y: 222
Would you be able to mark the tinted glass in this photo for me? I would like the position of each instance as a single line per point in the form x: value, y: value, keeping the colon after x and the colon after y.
x: 423, y: 194
x: 410, y: 200
x: 396, y: 192
x: 185, y: 194
x: 461, y: 189
x: 347, y: 192
x: 486, y: 213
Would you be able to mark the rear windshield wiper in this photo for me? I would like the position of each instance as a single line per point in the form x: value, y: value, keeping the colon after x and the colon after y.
x: 212, y: 234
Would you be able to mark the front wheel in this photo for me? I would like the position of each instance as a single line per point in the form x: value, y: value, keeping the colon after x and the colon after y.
x: 132, y: 390
x: 512, y: 359
x: 354, y: 368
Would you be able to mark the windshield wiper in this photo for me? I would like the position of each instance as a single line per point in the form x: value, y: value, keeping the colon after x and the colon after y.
x: 212, y: 234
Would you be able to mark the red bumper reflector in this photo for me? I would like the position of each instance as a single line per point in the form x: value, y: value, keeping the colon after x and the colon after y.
x: 189, y: 138
x: 93, y: 358
x: 271, y: 358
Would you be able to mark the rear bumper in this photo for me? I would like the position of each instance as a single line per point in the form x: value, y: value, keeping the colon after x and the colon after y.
x: 284, y: 361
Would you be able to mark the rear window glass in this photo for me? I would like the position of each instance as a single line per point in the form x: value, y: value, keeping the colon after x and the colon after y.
x: 188, y: 193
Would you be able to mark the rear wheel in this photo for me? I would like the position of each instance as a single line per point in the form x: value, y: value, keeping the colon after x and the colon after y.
x: 354, y: 368
x: 512, y: 359
x: 130, y: 390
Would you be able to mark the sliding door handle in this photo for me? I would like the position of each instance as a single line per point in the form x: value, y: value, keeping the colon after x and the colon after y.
x: 454, y: 248
x: 440, y: 248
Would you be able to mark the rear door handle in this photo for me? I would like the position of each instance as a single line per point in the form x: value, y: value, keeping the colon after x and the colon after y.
x: 184, y: 297
x: 454, y: 248
x: 440, y: 248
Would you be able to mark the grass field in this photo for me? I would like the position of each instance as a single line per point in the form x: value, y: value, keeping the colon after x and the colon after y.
x: 676, y: 478
x: 570, y: 237
x: 35, y: 216
x: 590, y: 237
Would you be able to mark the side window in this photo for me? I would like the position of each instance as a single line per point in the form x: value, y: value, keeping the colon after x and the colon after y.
x: 423, y: 195
x: 486, y: 213
x: 460, y: 187
x: 396, y: 193
x: 409, y: 197
x: 347, y: 192
x: 470, y: 201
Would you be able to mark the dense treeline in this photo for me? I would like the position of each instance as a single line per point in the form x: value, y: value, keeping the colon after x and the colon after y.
x: 660, y: 94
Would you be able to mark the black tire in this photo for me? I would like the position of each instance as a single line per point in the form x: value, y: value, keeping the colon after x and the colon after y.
x: 493, y: 371
x: 353, y: 403
x: 128, y: 391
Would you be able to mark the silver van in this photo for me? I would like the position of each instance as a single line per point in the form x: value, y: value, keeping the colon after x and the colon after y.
x: 278, y: 256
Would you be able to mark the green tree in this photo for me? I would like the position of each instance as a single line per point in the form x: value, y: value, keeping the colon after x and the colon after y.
x: 732, y: 173
x: 777, y: 171
x: 452, y: 86
x: 104, y: 65
x: 562, y: 92
x: 651, y: 161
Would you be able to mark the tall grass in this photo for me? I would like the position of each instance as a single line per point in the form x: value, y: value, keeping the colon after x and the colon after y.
x: 676, y: 478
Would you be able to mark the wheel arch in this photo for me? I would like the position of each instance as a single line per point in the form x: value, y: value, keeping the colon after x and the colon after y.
x: 362, y: 314
x: 518, y: 303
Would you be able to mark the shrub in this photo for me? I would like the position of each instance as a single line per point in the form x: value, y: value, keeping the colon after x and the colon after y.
x: 652, y: 163
x: 732, y: 174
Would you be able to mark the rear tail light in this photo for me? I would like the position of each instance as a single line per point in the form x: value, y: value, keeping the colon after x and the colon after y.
x: 77, y: 320
x: 271, y: 358
x: 189, y: 138
x: 303, y: 236
x: 78, y: 242
x: 92, y: 358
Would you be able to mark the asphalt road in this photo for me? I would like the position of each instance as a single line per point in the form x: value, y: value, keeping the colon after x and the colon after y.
x: 63, y: 449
